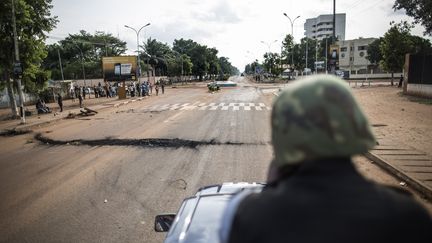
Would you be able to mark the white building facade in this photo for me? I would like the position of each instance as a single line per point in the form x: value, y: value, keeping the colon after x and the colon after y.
x: 322, y: 26
x: 352, y: 55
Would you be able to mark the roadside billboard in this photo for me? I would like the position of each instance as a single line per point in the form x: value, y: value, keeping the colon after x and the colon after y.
x: 121, y: 68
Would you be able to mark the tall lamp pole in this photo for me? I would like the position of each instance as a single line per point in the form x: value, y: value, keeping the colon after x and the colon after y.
x: 138, y: 71
x: 269, y: 48
x: 18, y: 65
x: 292, y: 34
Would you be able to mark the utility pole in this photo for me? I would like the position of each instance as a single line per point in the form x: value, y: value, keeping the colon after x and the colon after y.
x: 18, y: 65
x: 61, y: 67
x: 306, y: 55
x: 316, y: 56
x: 326, y: 54
x: 334, y: 20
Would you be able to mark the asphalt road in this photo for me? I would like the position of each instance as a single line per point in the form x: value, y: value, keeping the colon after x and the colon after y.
x: 111, y: 189
x: 104, y: 178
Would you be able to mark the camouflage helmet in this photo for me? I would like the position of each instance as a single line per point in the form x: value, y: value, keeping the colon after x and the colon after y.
x: 318, y: 118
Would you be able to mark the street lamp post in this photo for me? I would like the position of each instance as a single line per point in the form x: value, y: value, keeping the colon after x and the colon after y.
x: 269, y: 49
x: 138, y: 71
x: 292, y: 34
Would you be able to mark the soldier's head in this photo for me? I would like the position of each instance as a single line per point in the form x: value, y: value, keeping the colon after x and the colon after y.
x: 316, y: 119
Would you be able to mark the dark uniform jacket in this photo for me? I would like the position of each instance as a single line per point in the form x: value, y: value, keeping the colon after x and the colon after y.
x: 329, y: 201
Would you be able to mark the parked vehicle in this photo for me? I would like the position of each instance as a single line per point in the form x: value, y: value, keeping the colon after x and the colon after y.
x: 213, y: 86
x: 199, y: 216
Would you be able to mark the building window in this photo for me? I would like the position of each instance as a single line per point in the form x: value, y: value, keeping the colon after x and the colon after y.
x: 343, y: 49
x: 362, y: 48
x: 362, y: 54
x: 343, y: 55
x: 351, y: 59
x: 351, y: 48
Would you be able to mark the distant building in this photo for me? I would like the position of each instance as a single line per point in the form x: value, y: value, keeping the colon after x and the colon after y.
x: 352, y: 55
x: 322, y: 26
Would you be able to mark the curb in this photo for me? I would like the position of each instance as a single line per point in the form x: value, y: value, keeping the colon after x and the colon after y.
x: 31, y: 126
x: 414, y: 183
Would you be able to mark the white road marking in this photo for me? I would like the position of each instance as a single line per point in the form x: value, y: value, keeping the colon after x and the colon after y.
x: 211, y: 107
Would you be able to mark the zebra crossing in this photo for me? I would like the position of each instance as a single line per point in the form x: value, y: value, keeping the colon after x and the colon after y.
x: 198, y: 106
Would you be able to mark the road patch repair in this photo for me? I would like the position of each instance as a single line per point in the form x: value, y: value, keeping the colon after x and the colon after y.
x: 14, y: 132
x: 145, y: 143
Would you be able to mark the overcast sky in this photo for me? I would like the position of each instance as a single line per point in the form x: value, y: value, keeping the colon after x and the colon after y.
x: 236, y: 27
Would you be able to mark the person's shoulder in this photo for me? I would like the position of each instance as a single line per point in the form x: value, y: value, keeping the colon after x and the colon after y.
x: 402, y: 201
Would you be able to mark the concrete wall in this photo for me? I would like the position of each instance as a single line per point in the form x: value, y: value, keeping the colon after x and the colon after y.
x: 375, y: 76
x: 418, y: 78
x: 423, y: 90
x: 4, y: 98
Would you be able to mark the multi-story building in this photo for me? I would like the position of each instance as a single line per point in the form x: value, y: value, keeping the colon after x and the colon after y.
x: 352, y: 55
x: 322, y: 26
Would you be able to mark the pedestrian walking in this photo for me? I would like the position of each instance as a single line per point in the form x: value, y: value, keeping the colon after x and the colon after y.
x: 314, y: 192
x: 150, y: 87
x: 84, y: 92
x: 60, y: 101
x: 72, y: 94
x: 80, y: 98
x: 401, y: 81
x: 163, y: 87
x: 138, y: 90
x: 157, y: 89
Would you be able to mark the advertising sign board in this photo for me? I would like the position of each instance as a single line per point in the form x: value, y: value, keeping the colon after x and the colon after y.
x: 121, y: 68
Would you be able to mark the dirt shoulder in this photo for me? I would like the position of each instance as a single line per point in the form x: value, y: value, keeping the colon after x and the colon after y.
x: 403, y: 119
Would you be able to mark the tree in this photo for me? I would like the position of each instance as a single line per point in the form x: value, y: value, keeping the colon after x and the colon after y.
x: 300, y: 53
x: 271, y: 62
x: 33, y: 21
x: 420, y: 45
x: 157, y: 54
x: 226, y: 68
x: 204, y: 60
x: 213, y: 61
x: 374, y: 55
x: 77, y: 50
x: 82, y: 49
x: 395, y: 44
x: 287, y: 49
x: 420, y: 10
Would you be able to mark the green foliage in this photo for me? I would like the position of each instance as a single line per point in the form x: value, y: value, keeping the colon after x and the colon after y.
x: 33, y: 21
x: 395, y: 44
x: 300, y: 53
x: 253, y: 67
x: 82, y: 49
x: 226, y: 67
x: 374, y: 52
x: 420, y: 10
x: 287, y: 48
x: 420, y: 45
x: 204, y: 60
x: 271, y: 62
